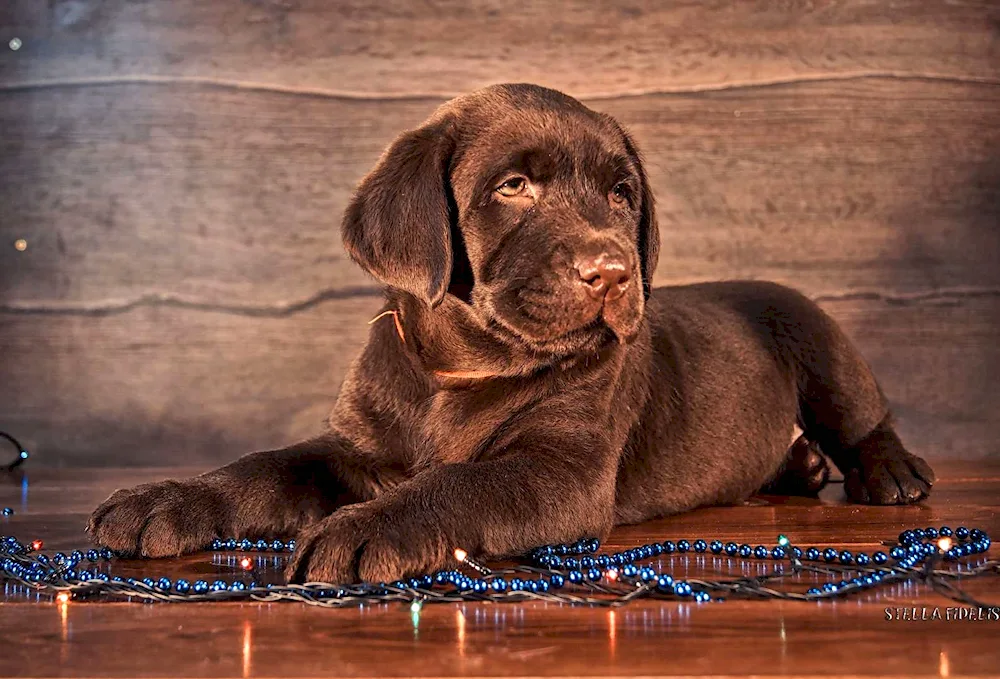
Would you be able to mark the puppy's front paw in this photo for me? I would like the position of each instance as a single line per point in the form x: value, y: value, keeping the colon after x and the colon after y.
x: 888, y: 477
x: 368, y: 542
x: 168, y: 518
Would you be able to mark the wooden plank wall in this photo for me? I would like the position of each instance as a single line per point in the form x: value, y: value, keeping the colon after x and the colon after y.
x: 178, y: 168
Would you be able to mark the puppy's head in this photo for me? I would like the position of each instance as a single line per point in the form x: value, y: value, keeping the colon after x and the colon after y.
x: 524, y: 204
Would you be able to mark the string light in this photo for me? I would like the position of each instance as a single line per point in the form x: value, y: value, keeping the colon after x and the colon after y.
x: 22, y: 452
x: 569, y: 573
x: 63, y: 597
x: 945, y: 543
x: 246, y: 563
x: 462, y: 556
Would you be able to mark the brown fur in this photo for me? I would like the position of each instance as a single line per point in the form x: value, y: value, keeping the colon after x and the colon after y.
x: 530, y: 386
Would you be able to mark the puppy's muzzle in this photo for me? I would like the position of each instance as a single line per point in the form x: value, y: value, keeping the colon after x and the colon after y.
x: 604, y: 271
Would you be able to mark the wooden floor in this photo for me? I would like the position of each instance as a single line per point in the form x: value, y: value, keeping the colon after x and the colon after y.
x: 848, y: 637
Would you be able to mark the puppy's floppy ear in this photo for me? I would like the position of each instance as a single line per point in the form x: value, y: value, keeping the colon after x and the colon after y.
x: 398, y: 225
x: 649, y: 231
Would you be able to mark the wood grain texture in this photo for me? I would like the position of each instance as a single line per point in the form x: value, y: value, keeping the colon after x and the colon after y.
x: 734, y: 638
x: 159, y: 384
x: 406, y: 47
x: 178, y: 171
x: 234, y: 198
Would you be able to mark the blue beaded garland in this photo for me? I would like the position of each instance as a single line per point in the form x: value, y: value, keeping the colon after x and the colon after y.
x: 914, y: 547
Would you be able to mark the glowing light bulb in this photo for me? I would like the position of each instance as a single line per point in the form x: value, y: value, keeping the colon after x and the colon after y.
x: 63, y: 597
x: 611, y: 574
x: 945, y: 543
x: 461, y: 555
x: 246, y: 563
x: 37, y: 545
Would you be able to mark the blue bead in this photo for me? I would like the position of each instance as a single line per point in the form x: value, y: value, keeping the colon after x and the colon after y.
x: 215, y: 545
x: 555, y: 561
x: 593, y: 545
x: 200, y: 587
x: 92, y: 555
x: 587, y: 562
x: 441, y: 577
x: 906, y: 537
x: 630, y: 570
x: 830, y: 554
x: 230, y: 544
x: 593, y: 574
x: 164, y: 584
x: 945, y: 532
x: 976, y: 534
x: 879, y: 557
x: 277, y: 546
x: 7, y: 511
x: 897, y: 553
x: 576, y: 577
x: 498, y: 584
x: 572, y: 563
x: 647, y: 574
x: 58, y: 557
x: 106, y: 554
x: 732, y: 548
x: 219, y: 586
x: 669, y: 547
x: 846, y: 557
x: 930, y: 533
x: 245, y: 545
x: 700, y: 546
x: 148, y: 582
x: 683, y: 546
x: 480, y: 586
x: 962, y: 532
x: 76, y: 555
x: 682, y: 588
x: 261, y: 545
x: 797, y: 552
x: 745, y: 550
x: 760, y: 551
x: 862, y: 559
x: 918, y: 534
x: 603, y: 561
x: 540, y: 585
x: 665, y: 582
x: 182, y: 586
x: 716, y: 547
x: 237, y: 586
x: 829, y: 587
x: 778, y: 552
x: 290, y: 545
x: 516, y: 584
x: 557, y: 580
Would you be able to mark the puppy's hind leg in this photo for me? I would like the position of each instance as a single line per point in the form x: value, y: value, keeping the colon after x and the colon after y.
x: 844, y: 411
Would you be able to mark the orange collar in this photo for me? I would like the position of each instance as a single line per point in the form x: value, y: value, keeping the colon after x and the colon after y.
x: 453, y: 374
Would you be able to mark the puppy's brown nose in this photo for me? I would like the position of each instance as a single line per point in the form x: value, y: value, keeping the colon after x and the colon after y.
x: 605, y: 275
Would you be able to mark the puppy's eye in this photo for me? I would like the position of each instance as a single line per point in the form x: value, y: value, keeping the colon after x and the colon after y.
x: 515, y: 186
x: 620, y: 194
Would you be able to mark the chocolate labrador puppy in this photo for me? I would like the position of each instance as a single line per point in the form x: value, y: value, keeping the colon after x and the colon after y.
x: 525, y: 384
